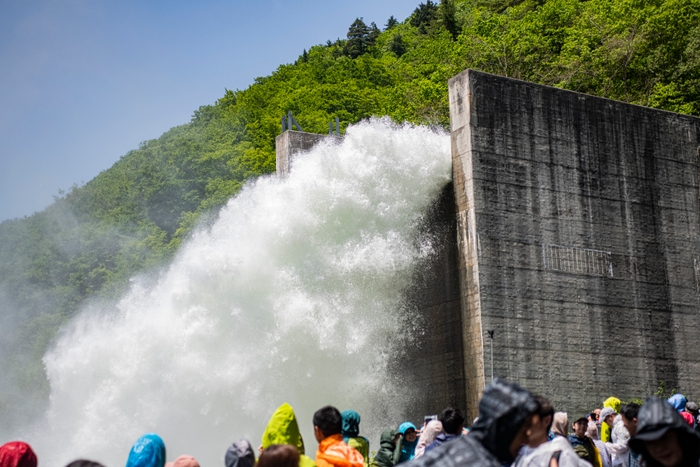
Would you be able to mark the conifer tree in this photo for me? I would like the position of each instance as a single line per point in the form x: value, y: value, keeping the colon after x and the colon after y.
x: 397, y: 45
x: 374, y: 33
x: 448, y: 17
x: 424, y: 15
x: 359, y: 39
x: 391, y: 22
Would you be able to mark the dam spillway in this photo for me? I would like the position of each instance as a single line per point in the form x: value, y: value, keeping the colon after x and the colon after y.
x: 571, y: 230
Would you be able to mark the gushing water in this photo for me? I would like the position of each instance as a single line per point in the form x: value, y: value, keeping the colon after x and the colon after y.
x: 294, y: 294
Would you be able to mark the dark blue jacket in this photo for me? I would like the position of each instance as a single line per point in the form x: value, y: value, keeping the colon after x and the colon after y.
x: 442, y: 438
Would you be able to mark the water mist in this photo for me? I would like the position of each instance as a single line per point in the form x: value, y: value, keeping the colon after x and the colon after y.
x: 294, y: 294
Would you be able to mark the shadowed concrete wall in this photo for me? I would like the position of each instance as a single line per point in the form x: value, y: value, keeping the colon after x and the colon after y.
x: 434, y: 363
x: 578, y: 242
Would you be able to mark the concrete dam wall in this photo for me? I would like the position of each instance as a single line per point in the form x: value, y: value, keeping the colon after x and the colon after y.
x: 571, y: 229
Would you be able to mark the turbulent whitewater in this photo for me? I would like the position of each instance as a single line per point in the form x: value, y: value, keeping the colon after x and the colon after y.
x: 294, y: 294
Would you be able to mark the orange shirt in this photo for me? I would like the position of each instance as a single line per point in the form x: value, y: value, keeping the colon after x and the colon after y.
x: 333, y: 452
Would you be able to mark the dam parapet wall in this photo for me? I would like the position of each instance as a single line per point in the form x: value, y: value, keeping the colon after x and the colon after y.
x: 291, y: 143
x: 579, y: 242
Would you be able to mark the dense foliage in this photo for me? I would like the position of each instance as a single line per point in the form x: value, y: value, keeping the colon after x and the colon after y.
x: 133, y: 216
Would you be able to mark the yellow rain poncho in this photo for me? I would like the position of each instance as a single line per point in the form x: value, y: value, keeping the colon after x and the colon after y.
x: 283, y: 429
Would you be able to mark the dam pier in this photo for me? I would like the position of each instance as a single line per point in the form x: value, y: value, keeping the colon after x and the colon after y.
x: 571, y: 230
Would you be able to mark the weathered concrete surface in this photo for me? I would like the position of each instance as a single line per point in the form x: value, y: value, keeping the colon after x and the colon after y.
x: 579, y: 242
x: 291, y: 143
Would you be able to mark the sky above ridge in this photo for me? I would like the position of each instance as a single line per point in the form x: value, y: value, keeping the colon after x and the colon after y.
x: 84, y: 81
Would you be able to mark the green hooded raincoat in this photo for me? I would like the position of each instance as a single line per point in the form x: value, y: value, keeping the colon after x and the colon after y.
x: 283, y: 429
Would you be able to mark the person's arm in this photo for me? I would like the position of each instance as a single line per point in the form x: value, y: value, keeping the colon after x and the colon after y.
x: 397, y: 450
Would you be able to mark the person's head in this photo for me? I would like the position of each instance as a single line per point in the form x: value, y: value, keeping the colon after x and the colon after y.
x: 596, y: 413
x: 541, y: 422
x: 665, y: 450
x: 388, y: 437
x: 147, y: 451
x: 240, y: 454
x: 678, y: 402
x: 452, y: 421
x: 408, y: 431
x: 83, y: 463
x: 283, y: 429
x: 629, y: 417
x: 579, y: 427
x: 279, y: 455
x: 17, y: 454
x: 184, y: 460
x: 692, y: 409
x: 607, y: 416
x: 351, y: 424
x: 560, y: 425
x: 327, y: 422
x: 505, y: 415
x: 663, y: 438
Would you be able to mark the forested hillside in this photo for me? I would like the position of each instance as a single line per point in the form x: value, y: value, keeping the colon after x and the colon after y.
x: 133, y: 216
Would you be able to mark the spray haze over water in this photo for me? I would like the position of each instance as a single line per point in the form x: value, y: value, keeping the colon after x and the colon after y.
x: 295, y: 293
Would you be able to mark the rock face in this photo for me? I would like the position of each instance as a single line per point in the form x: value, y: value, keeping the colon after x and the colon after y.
x: 578, y: 234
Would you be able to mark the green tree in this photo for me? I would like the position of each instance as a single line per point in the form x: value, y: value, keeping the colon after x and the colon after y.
x: 374, y: 34
x: 397, y: 45
x: 424, y: 15
x: 448, y: 17
x: 391, y: 22
x: 359, y: 39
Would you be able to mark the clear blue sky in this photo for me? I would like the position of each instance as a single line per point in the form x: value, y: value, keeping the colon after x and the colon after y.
x: 84, y: 81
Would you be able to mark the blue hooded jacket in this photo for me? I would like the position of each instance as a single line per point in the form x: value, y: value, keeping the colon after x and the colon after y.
x: 678, y: 402
x: 351, y: 424
x: 408, y: 450
x: 147, y: 451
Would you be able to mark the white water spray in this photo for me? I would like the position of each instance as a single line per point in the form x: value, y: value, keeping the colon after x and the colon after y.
x: 294, y: 294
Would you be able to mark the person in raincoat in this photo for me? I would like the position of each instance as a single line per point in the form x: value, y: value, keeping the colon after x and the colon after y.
x: 505, y: 415
x: 240, y: 454
x: 605, y: 430
x: 560, y: 425
x: 351, y: 434
x: 430, y: 432
x: 539, y: 451
x: 678, y: 401
x: 663, y: 438
x: 147, y: 451
x: 389, y: 450
x: 17, y: 454
x: 332, y: 450
x: 283, y: 429
x: 409, y: 441
x: 452, y: 425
